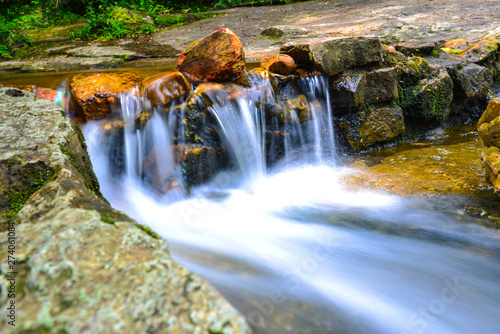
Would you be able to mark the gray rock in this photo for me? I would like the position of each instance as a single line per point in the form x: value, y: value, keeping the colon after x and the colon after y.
x: 283, y: 31
x: 100, y: 51
x: 332, y: 56
x: 82, y: 266
x: 353, y: 91
x: 472, y: 80
x: 59, y: 64
x: 370, y: 126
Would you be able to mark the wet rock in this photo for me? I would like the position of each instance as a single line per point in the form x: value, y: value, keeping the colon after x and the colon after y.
x: 100, y: 51
x: 370, y: 126
x: 259, y: 75
x: 218, y: 57
x: 165, y: 87
x: 97, y: 94
x: 488, y: 125
x: 490, y: 162
x: 94, y: 268
x: 431, y: 98
x: 351, y: 92
x: 489, y: 131
x: 292, y: 110
x: 280, y: 63
x: 275, y: 146
x: 472, y: 80
x: 198, y: 163
x: 481, y: 51
x: 59, y: 64
x: 347, y: 93
x: 333, y: 56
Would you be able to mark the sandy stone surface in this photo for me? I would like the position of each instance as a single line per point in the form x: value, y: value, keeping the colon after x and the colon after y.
x: 405, y: 23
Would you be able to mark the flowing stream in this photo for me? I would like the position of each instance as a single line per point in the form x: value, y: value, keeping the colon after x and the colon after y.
x: 291, y: 247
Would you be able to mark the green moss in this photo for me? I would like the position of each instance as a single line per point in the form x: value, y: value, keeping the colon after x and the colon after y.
x: 148, y: 230
x: 436, y: 53
x: 32, y: 178
x: 90, y: 182
x: 105, y: 218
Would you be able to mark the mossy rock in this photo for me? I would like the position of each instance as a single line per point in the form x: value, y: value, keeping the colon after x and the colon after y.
x: 429, y: 99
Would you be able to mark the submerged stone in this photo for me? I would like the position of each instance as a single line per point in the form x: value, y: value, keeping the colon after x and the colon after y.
x: 218, y: 57
x: 97, y: 94
x: 370, y: 126
x: 332, y: 56
x: 165, y: 87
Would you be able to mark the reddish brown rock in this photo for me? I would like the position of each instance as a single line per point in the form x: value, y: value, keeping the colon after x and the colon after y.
x: 40, y: 92
x: 218, y: 57
x: 165, y: 87
x: 97, y: 94
x: 280, y: 63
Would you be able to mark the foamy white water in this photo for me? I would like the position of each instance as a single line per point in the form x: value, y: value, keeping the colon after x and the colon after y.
x: 296, y: 252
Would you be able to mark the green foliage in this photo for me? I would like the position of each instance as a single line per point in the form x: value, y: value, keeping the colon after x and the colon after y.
x: 11, y: 37
x: 232, y: 3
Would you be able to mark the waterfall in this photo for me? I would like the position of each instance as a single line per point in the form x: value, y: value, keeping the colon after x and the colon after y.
x: 288, y: 245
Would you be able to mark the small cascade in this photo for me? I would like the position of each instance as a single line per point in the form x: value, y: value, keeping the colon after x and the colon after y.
x: 246, y: 129
x: 341, y: 261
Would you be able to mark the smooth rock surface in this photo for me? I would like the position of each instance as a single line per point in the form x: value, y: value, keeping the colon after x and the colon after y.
x: 218, y: 57
x: 165, y: 87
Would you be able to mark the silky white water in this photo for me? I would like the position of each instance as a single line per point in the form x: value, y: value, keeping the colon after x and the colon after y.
x: 297, y: 252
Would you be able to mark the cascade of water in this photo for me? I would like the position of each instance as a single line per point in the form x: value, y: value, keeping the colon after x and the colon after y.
x: 241, y: 127
x: 298, y: 246
x: 321, y: 126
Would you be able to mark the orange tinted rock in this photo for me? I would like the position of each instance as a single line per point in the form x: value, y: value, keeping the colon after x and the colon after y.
x: 165, y: 87
x: 481, y: 50
x: 280, y: 63
x: 455, y: 44
x: 40, y: 92
x: 218, y: 57
x: 98, y: 93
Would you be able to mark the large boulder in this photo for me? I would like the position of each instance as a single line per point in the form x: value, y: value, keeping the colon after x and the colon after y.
x: 165, y: 87
x: 97, y: 94
x: 489, y: 131
x: 218, y: 57
x: 80, y: 265
x: 332, y: 56
x: 370, y: 126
